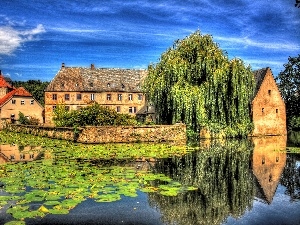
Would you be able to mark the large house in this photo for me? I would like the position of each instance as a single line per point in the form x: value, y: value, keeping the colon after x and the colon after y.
x: 14, y: 100
x: 268, y: 107
x: 76, y: 87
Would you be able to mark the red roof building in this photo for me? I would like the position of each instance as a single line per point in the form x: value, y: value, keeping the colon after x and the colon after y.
x: 14, y: 100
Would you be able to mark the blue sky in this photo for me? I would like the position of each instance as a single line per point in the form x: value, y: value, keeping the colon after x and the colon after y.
x: 36, y: 36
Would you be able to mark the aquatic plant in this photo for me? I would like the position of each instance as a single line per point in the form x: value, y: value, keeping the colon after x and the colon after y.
x: 68, y: 174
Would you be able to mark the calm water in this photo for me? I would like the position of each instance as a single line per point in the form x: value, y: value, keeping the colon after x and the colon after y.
x: 235, y: 182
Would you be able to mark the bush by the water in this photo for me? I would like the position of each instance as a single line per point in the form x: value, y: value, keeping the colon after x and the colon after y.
x: 92, y: 115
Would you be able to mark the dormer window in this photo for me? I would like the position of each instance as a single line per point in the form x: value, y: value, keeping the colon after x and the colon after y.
x: 62, y: 84
x: 123, y: 86
x: 76, y: 85
x: 269, y: 92
x: 108, y: 85
x: 91, y: 84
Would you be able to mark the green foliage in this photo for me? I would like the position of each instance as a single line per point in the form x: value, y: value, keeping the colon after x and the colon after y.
x: 92, y: 115
x: 294, y: 123
x: 35, y: 87
x: 195, y: 82
x: 27, y: 121
x: 289, y: 85
x: 67, y: 174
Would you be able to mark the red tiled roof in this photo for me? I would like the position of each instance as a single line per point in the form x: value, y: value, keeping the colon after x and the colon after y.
x: 16, y: 92
x: 3, y: 82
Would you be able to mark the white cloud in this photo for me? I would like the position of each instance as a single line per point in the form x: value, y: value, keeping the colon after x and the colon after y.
x: 11, y: 39
x: 266, y: 45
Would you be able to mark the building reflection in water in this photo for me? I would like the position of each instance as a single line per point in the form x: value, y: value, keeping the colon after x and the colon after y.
x: 229, y: 175
x: 15, y: 153
x: 269, y: 158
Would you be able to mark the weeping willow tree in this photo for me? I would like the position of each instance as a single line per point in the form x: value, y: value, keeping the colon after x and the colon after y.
x: 196, y: 83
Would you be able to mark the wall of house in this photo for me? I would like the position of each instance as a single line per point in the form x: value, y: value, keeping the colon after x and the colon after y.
x: 28, y: 108
x: 102, y: 98
x: 3, y: 91
x: 268, y: 109
x: 109, y: 134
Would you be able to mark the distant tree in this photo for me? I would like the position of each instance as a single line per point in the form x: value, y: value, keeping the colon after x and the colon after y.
x: 195, y: 82
x: 35, y: 87
x: 289, y: 84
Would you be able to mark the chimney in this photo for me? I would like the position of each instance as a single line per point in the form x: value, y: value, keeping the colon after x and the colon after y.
x: 92, y: 66
x: 63, y: 65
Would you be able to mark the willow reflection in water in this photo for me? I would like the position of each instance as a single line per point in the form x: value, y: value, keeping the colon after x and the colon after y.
x: 223, y: 174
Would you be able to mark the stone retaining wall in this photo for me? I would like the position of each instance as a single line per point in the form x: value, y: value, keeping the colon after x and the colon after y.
x: 108, y: 134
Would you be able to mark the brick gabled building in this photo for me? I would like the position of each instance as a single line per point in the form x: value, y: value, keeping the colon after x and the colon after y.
x: 76, y: 87
x: 14, y: 100
x: 268, y: 107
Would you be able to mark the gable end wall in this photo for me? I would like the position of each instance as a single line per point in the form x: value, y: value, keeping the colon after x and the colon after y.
x: 268, y: 109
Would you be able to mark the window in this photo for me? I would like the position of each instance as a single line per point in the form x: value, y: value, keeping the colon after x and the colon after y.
x: 119, y: 97
x: 78, y: 97
x: 53, y: 107
x: 140, y: 97
x: 31, y: 156
x: 130, y: 97
x: 108, y: 85
x: 92, y: 97
x: 54, y: 97
x: 276, y: 111
x: 263, y: 110
x: 132, y: 110
x: 123, y: 86
x: 67, y: 97
x: 22, y: 102
x: 13, y: 101
x: 31, y: 102
x: 62, y: 84
x: 91, y: 84
x: 22, y: 156
x: 12, y: 157
x: 118, y: 108
x: 108, y: 97
x: 67, y: 108
x: 269, y: 92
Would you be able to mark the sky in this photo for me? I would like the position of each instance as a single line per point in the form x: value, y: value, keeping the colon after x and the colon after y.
x: 37, y: 36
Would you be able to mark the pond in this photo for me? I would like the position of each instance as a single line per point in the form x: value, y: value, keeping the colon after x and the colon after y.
x: 46, y: 181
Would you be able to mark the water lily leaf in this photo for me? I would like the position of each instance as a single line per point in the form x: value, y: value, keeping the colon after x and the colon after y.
x: 15, y: 223
x: 108, y: 198
x: 169, y: 193
x: 43, y: 209
x: 51, y: 203
x: 58, y: 211
x: 3, y: 203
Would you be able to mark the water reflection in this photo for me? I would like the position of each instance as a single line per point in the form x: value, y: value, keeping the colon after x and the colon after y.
x: 269, y: 158
x: 16, y: 153
x: 229, y: 175
x: 221, y: 173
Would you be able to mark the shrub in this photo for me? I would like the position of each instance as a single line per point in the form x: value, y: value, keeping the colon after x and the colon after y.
x: 92, y: 115
x: 28, y: 120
